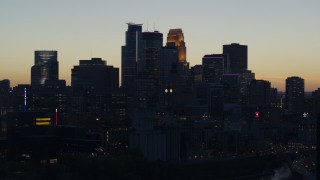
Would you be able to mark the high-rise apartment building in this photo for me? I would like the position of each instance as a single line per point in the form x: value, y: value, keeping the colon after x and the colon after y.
x: 46, y: 67
x: 237, y: 57
x: 213, y: 68
x: 176, y: 39
x: 294, y: 95
x: 130, y: 55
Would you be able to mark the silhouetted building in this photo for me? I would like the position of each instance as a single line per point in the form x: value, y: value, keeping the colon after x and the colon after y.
x: 231, y: 88
x: 274, y: 96
x: 318, y: 148
x: 131, y: 54
x: 238, y: 57
x: 46, y: 67
x: 316, y: 102
x: 151, y: 53
x: 168, y: 64
x: 294, y: 95
x: 259, y: 93
x: 179, y: 74
x: 116, y: 138
x: 50, y: 98
x: 176, y: 39
x: 146, y: 90
x: 30, y: 119
x: 21, y: 97
x: 169, y: 59
x: 4, y: 86
x: 196, y: 73
x: 245, y: 79
x: 208, y: 98
x: 157, y: 137
x: 213, y: 68
x: 94, y: 75
x: 5, y: 90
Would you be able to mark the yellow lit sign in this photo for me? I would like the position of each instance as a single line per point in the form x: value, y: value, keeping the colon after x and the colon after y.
x: 43, y: 121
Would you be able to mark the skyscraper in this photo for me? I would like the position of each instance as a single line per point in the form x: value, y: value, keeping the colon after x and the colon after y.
x: 4, y: 96
x: 196, y: 73
x: 259, y: 93
x: 176, y: 39
x: 46, y: 67
x: 213, y: 68
x: 146, y: 82
x: 4, y: 85
x: 237, y: 56
x: 94, y: 74
x: 151, y: 54
x: 245, y: 79
x: 180, y: 69
x: 131, y: 54
x: 231, y: 87
x: 294, y: 95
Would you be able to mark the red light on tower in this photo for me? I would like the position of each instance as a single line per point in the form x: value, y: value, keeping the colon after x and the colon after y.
x: 257, y: 114
x: 56, y: 117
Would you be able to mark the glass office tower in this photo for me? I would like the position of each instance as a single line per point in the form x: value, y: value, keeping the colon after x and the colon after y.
x: 46, y: 67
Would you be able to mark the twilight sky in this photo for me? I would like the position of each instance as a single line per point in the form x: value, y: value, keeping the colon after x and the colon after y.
x: 283, y: 36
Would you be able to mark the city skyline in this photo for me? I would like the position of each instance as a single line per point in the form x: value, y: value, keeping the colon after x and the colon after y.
x: 281, y: 37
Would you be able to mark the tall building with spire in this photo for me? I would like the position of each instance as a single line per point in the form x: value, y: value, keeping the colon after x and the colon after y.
x: 176, y: 39
x: 130, y: 55
x: 46, y: 67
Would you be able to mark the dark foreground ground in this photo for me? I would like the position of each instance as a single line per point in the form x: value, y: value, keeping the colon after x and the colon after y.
x: 134, y: 167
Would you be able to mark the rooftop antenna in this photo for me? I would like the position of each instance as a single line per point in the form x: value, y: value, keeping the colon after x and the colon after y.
x: 56, y: 116
x: 147, y: 26
x: 25, y: 100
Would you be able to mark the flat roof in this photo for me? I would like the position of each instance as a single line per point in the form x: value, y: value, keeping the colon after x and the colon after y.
x: 131, y: 23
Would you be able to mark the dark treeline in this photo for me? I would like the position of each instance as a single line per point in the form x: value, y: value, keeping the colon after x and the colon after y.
x: 133, y: 166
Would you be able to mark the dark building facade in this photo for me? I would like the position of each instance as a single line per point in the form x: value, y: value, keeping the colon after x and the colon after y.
x: 148, y: 75
x: 213, y: 68
x: 208, y: 98
x: 94, y: 74
x: 196, y: 73
x: 231, y: 88
x: 259, y: 93
x: 46, y: 67
x: 4, y: 96
x: 245, y: 79
x: 130, y: 54
x: 237, y: 56
x: 294, y: 100
x: 316, y: 102
x: 151, y: 54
